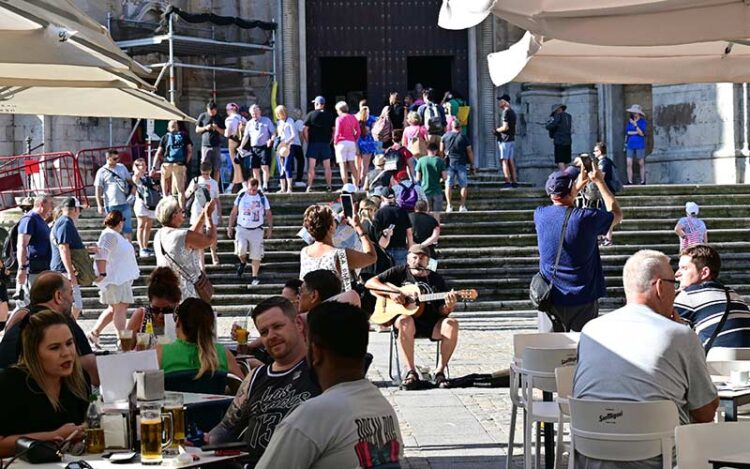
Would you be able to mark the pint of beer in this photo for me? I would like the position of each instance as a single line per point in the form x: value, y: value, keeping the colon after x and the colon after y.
x: 152, y: 432
x: 173, y: 405
x: 127, y: 340
x: 94, y: 440
x: 242, y: 334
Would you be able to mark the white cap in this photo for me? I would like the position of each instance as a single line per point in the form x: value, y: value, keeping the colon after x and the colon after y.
x: 349, y: 188
x: 691, y: 208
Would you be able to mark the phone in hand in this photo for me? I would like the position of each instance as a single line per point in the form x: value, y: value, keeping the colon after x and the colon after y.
x: 348, y: 205
x: 391, y: 227
x: 586, y: 161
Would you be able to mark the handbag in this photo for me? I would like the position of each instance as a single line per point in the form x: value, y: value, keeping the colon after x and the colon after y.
x: 203, y: 286
x: 83, y: 265
x: 720, y: 326
x: 540, y: 290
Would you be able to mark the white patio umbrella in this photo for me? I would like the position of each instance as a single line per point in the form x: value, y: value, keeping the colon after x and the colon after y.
x: 83, y: 100
x: 533, y: 59
x: 610, y: 22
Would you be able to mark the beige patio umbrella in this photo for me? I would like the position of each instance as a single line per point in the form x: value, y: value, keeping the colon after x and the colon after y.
x: 84, y: 100
x: 533, y: 59
x: 610, y: 22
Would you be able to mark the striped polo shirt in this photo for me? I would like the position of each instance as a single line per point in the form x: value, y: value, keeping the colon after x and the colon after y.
x: 703, y: 305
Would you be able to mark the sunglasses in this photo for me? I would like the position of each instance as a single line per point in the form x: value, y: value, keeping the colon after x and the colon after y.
x: 162, y: 309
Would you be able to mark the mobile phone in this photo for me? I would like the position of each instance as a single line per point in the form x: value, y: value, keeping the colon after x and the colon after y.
x: 586, y: 161
x: 391, y: 227
x: 348, y: 205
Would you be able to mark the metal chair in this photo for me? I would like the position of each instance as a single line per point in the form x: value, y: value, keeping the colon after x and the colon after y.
x: 564, y: 378
x: 183, y: 381
x: 393, y: 353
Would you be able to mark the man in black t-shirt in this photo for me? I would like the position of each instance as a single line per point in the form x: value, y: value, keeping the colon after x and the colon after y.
x: 426, y: 227
x: 457, y: 149
x: 506, y: 140
x: 318, y: 133
x: 270, y: 392
x: 401, y: 236
x: 53, y: 291
x: 434, y: 322
x: 210, y: 126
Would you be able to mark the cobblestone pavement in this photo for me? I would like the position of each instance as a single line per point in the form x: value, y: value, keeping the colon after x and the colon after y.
x: 442, y: 428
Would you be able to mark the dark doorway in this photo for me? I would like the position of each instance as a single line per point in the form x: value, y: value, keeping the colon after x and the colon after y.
x: 432, y: 72
x: 343, y: 79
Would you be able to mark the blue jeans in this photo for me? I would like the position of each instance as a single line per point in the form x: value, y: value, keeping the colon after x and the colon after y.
x: 398, y: 255
x: 127, y: 215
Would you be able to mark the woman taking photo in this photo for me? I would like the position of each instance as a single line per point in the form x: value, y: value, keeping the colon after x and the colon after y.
x: 195, y: 349
x: 179, y: 248
x: 635, y: 141
x: 163, y: 297
x: 322, y: 254
x: 116, y: 268
x: 288, y: 137
x: 45, y: 395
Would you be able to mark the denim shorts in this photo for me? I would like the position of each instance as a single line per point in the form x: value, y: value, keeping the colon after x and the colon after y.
x: 507, y: 150
x: 127, y: 215
x: 457, y: 174
x: 639, y: 153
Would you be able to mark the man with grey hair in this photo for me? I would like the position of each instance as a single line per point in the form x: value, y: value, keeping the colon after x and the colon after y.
x: 33, y: 250
x: 256, y: 144
x: 643, y: 352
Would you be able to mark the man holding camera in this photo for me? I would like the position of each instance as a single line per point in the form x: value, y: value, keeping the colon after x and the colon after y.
x: 578, y: 280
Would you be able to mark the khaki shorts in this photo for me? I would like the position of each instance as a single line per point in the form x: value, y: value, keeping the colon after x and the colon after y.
x: 177, y: 172
x: 249, y: 243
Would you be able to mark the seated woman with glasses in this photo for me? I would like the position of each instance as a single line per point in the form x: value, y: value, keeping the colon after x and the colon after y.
x: 164, y: 295
x: 195, y: 348
x: 45, y: 395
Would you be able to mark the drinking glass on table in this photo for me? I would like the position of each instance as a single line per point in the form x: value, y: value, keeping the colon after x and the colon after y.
x: 143, y: 341
x: 174, y: 406
x: 242, y: 335
x: 127, y: 340
x: 152, y: 425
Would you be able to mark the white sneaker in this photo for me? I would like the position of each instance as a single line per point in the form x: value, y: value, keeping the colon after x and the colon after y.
x: 463, y: 208
x: 448, y: 209
x: 300, y: 184
x: 145, y: 253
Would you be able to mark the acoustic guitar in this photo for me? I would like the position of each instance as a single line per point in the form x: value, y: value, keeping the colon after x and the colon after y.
x: 386, y: 309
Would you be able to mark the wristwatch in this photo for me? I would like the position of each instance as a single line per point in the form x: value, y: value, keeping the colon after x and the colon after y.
x: 102, y: 274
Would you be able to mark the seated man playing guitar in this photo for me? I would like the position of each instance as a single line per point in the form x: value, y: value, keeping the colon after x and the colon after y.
x: 417, y: 317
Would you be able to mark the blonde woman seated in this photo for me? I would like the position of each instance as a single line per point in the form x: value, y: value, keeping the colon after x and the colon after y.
x: 195, y: 349
x: 45, y: 395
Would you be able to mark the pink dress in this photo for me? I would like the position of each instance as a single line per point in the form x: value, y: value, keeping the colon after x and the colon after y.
x: 347, y: 129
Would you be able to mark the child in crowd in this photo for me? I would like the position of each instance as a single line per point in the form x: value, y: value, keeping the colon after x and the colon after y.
x: 691, y: 229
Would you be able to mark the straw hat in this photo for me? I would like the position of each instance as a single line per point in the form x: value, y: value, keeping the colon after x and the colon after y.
x: 635, y: 109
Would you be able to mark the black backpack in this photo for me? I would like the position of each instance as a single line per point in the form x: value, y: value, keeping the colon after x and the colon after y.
x: 148, y: 193
x: 201, y: 196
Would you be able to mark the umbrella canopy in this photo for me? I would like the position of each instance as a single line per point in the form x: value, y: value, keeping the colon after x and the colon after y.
x: 85, y: 101
x: 610, y: 22
x: 533, y: 59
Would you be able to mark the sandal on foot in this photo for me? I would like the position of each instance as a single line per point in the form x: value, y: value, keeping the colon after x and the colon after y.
x: 411, y: 381
x: 440, y: 380
x: 93, y: 338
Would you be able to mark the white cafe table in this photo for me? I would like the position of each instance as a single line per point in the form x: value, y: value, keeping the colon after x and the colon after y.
x: 97, y: 462
x: 737, y: 461
x: 730, y: 398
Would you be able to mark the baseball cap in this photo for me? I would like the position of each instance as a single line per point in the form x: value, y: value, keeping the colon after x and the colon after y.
x: 419, y: 249
x: 504, y: 97
x: 26, y: 202
x: 71, y: 202
x: 560, y: 183
x: 349, y: 188
x: 319, y: 100
x: 691, y: 208
x: 232, y: 106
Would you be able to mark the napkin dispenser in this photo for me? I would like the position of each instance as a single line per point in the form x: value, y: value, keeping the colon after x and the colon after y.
x: 149, y: 385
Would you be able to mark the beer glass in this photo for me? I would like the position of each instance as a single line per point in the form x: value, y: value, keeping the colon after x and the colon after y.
x: 143, y: 341
x: 242, y: 334
x: 173, y: 405
x: 127, y: 340
x: 152, y: 430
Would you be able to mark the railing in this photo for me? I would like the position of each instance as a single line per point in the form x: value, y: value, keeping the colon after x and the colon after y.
x: 54, y: 174
x: 91, y: 159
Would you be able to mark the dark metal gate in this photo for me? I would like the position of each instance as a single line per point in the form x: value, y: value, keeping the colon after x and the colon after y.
x: 387, y: 33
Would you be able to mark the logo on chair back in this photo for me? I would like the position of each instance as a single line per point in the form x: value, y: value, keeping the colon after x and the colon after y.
x: 569, y: 360
x: 610, y: 417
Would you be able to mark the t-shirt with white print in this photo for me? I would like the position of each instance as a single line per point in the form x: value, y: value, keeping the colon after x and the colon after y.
x: 251, y: 209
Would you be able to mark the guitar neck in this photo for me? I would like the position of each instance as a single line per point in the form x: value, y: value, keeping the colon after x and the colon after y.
x: 432, y: 297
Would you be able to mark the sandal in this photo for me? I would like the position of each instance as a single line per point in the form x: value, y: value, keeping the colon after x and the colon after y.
x: 411, y: 381
x: 440, y: 380
x: 93, y: 338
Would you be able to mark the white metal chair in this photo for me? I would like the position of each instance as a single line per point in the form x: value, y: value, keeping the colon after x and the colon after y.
x: 520, y: 342
x: 564, y: 377
x: 698, y: 443
x: 623, y: 430
x: 538, y: 372
x: 724, y: 354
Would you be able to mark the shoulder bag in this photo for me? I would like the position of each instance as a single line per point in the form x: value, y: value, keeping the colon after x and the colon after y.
x: 82, y: 264
x: 202, y: 284
x: 720, y: 326
x: 540, y: 289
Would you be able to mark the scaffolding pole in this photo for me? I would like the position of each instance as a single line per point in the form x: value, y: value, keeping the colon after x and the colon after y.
x: 171, y: 59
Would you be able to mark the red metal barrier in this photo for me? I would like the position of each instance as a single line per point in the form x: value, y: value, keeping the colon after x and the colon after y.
x: 91, y: 159
x: 54, y: 174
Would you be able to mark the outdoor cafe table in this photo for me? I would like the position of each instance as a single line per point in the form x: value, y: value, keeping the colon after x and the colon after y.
x: 737, y: 460
x: 97, y: 462
x: 731, y: 399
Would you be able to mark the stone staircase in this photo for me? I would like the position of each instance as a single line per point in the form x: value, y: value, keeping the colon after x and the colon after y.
x: 491, y: 248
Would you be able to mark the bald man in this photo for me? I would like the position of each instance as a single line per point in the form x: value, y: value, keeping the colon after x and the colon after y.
x: 176, y: 151
x: 53, y: 291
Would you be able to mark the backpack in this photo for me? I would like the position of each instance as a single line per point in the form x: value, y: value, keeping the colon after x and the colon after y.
x: 175, y: 148
x: 9, y: 248
x: 434, y: 122
x: 408, y: 197
x: 148, y: 194
x: 382, y: 129
x: 417, y: 145
x: 200, y: 197
x: 615, y: 182
x: 393, y: 160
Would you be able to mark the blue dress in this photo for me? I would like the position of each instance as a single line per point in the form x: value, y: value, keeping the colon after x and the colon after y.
x: 367, y: 144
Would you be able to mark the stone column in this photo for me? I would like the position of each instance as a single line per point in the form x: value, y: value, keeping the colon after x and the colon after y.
x: 534, y: 151
x: 582, y: 102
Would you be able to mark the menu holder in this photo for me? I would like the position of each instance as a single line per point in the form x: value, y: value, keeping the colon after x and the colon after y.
x: 116, y: 372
